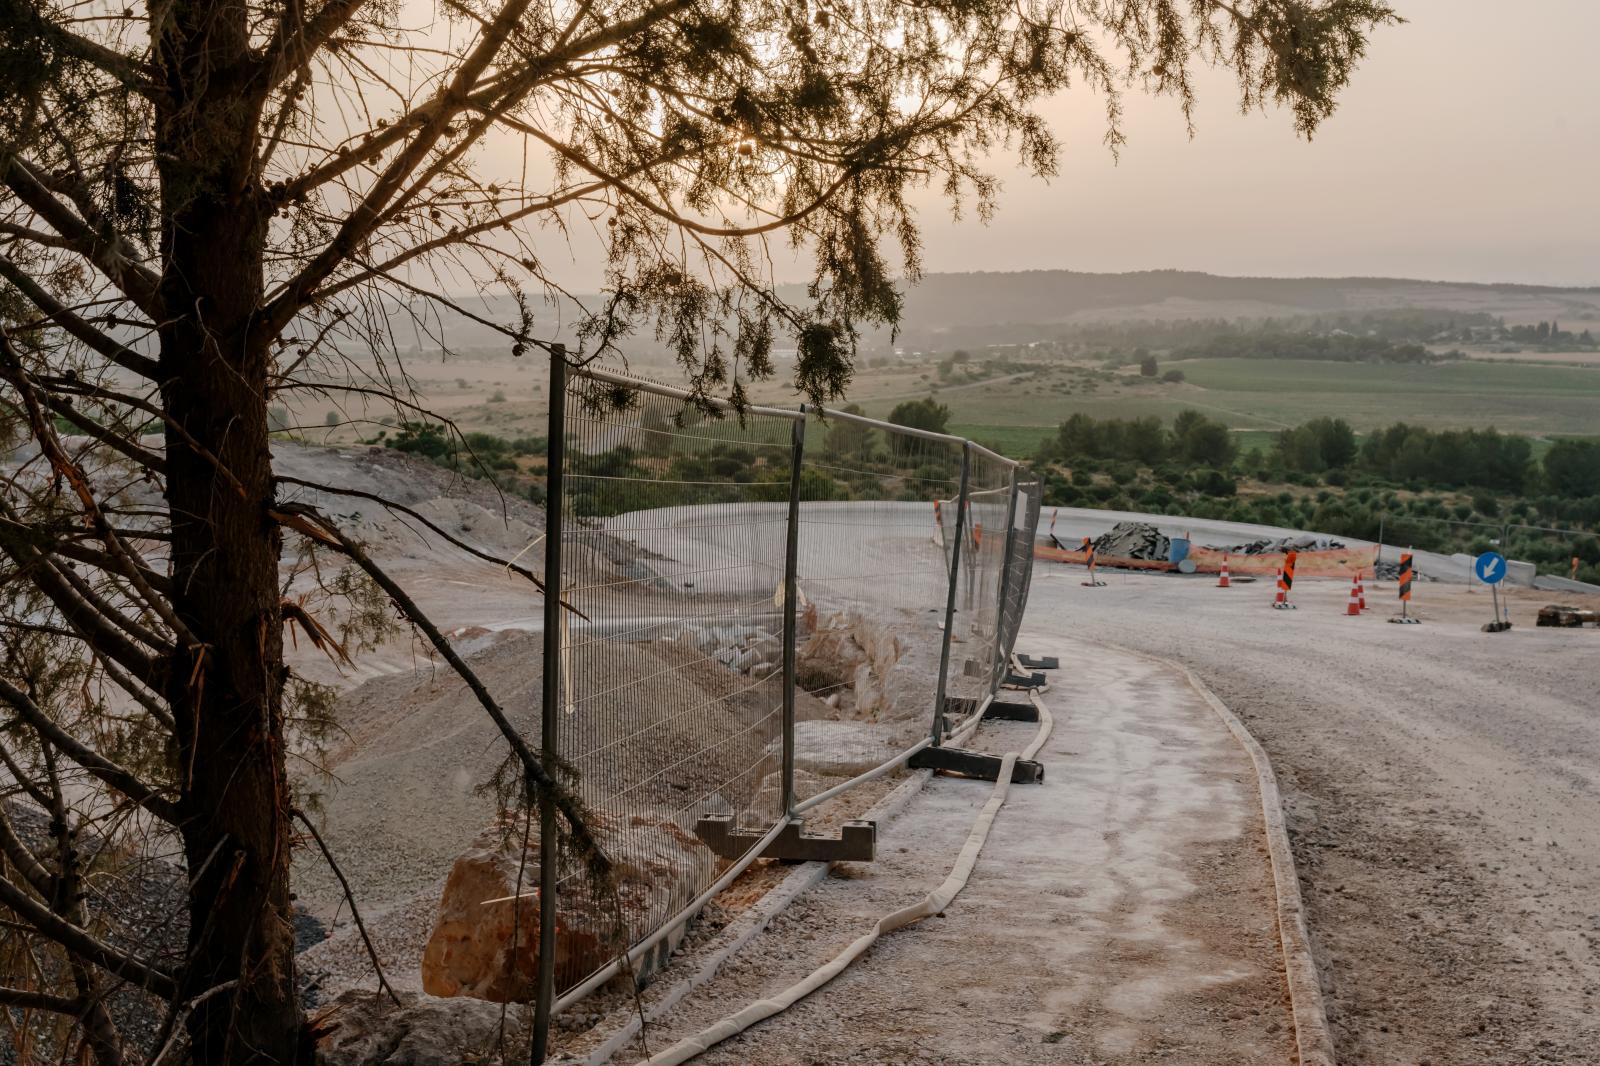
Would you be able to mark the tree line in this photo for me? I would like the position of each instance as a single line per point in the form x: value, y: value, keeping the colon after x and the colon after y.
x: 1336, y: 347
x: 1193, y: 438
x: 1441, y: 459
x: 1442, y: 490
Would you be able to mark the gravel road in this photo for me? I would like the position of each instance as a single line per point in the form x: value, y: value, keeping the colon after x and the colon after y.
x: 1443, y: 791
x: 1122, y: 912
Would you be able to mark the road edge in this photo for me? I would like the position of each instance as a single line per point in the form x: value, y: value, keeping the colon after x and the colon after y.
x: 1313, y: 1039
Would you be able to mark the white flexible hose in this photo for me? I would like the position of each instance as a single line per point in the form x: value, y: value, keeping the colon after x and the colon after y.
x: 693, y: 1046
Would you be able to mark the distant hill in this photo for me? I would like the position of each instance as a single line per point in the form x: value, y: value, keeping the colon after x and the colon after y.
x: 973, y: 309
x: 948, y: 309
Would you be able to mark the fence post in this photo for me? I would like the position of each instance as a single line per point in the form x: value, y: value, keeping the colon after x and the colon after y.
x: 555, y: 460
x: 1378, y: 558
x: 950, y: 594
x: 791, y: 557
x: 1001, y: 666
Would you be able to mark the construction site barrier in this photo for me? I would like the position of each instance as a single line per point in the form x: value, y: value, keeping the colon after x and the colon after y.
x: 1336, y: 562
x: 727, y: 582
x: 1407, y: 576
x: 1331, y: 562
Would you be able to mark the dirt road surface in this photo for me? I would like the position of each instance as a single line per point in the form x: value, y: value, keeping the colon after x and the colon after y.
x: 1122, y: 912
x: 1443, y: 793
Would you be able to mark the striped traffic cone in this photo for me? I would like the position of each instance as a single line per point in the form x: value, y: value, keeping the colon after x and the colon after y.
x: 1282, y: 599
x: 1222, y: 582
x: 1361, y: 590
x: 1354, y: 608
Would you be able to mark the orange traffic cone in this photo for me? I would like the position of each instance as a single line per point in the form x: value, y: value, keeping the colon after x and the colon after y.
x: 1222, y: 582
x: 1354, y: 608
x: 1282, y: 599
x: 1361, y: 591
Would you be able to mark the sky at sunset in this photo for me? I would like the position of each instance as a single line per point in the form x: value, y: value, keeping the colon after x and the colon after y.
x: 1467, y: 148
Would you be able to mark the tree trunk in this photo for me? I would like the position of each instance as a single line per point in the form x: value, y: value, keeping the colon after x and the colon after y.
x: 226, y: 694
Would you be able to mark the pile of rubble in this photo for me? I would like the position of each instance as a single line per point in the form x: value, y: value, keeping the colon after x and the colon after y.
x: 1305, y: 542
x: 1563, y: 616
x: 1387, y: 571
x: 747, y: 649
x: 1141, y: 540
x: 1134, y: 540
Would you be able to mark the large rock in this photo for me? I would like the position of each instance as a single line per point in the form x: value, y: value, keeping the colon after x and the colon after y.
x: 485, y: 942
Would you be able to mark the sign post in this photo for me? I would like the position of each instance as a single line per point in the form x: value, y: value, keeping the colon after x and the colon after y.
x: 1490, y: 568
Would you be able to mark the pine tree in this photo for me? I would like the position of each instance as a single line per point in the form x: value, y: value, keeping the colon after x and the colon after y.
x: 205, y: 204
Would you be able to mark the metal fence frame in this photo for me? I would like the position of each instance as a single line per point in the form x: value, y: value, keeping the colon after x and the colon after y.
x: 1003, y: 614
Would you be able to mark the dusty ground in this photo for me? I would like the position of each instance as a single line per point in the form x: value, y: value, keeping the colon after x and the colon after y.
x: 1121, y: 913
x: 1441, y: 790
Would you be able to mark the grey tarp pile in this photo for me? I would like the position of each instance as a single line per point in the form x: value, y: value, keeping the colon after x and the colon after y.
x: 1133, y: 540
x: 1304, y: 542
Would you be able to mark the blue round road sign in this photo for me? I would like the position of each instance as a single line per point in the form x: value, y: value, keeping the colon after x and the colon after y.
x: 1490, y: 568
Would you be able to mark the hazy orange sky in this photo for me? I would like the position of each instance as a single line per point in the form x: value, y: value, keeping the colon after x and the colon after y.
x: 1467, y: 148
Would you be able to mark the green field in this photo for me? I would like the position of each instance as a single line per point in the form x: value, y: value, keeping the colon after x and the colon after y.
x: 1019, y: 442
x: 1260, y: 396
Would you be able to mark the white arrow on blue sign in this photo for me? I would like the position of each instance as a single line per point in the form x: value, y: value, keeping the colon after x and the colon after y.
x: 1490, y: 568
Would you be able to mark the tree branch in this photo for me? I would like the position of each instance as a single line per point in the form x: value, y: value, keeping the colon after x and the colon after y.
x: 26, y: 999
x: 125, y: 69
x: 27, y: 864
x: 98, y: 631
x: 428, y: 123
x: 85, y: 944
x: 350, y: 897
x: 75, y: 325
x: 129, y: 561
x: 124, y: 781
x: 516, y: 568
x: 115, y: 441
x: 532, y: 769
x: 297, y: 39
x: 104, y: 250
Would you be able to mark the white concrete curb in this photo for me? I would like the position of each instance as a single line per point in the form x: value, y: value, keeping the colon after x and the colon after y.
x: 1314, y: 1042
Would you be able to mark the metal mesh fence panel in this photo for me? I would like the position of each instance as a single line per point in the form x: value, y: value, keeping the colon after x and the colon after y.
x: 873, y: 573
x: 683, y: 659
x: 673, y: 552
x: 974, y: 632
x: 1018, y: 565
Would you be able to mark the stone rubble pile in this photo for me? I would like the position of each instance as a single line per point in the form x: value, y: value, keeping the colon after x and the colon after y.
x: 747, y: 649
x: 1134, y: 540
x: 1390, y: 571
x: 1305, y: 542
x: 1141, y: 540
